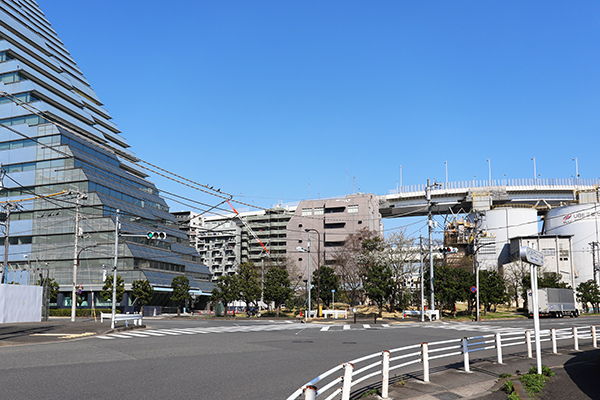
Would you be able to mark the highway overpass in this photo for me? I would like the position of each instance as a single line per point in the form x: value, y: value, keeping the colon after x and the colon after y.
x: 462, y: 197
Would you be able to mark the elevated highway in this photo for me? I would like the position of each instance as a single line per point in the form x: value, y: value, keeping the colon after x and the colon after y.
x: 462, y: 197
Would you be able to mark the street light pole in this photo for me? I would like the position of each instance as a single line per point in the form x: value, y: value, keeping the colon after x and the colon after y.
x: 114, y: 293
x: 318, y: 266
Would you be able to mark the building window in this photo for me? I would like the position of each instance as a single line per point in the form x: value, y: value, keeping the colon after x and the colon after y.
x: 353, y: 208
x: 319, y: 210
x: 306, y: 212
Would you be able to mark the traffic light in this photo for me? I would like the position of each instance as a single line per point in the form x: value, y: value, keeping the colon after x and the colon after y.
x: 156, y: 235
x: 448, y: 250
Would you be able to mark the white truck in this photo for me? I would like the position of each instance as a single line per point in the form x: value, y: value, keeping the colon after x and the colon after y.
x: 555, y: 303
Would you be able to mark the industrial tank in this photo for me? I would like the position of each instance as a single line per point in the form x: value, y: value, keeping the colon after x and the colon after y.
x: 506, y: 223
x: 582, y: 222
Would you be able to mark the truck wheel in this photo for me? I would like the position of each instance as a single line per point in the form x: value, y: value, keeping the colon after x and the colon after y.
x: 576, y: 313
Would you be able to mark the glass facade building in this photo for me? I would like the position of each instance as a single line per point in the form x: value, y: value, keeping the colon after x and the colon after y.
x: 62, y: 157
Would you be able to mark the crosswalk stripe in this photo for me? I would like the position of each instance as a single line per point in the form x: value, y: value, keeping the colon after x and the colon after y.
x: 346, y: 327
x: 105, y: 337
x: 366, y: 326
x: 120, y: 336
x: 325, y: 329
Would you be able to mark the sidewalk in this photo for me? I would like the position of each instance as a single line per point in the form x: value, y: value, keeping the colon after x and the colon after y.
x: 56, y: 330
x: 577, y: 373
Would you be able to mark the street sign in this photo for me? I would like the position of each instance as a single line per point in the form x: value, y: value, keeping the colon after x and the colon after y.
x: 532, y: 256
x: 473, y: 289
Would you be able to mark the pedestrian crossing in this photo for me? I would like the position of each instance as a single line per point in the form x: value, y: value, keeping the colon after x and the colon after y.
x: 288, y: 325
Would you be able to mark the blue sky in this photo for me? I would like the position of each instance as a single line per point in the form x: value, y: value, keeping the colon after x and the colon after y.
x: 278, y: 101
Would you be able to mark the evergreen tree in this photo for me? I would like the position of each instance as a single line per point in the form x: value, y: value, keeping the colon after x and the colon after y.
x: 107, y: 289
x: 181, y: 291
x: 277, y: 287
x: 142, y: 292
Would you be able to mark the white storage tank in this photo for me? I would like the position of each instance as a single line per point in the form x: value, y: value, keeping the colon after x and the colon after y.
x: 505, y: 223
x: 580, y: 221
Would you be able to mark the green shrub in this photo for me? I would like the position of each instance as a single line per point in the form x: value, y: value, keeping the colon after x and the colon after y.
x: 533, y: 383
x: 502, y: 376
x: 80, y: 312
x: 513, y: 396
x: 545, y: 371
x: 508, y: 387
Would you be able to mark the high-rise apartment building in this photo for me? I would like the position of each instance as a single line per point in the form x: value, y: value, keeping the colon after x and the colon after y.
x: 67, y: 165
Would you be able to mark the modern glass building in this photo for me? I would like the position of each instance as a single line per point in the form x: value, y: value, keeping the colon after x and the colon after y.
x: 66, y: 164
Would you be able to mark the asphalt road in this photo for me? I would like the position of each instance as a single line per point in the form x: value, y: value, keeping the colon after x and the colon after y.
x: 213, y: 359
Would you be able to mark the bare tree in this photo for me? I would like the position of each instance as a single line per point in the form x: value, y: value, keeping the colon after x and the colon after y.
x: 402, y: 257
x: 349, y: 267
x: 513, y: 274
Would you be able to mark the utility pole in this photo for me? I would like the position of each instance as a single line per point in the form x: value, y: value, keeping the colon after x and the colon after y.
x: 8, y: 207
x: 594, y: 265
x: 422, y: 287
x: 79, y: 197
x: 431, y: 224
x: 114, y: 294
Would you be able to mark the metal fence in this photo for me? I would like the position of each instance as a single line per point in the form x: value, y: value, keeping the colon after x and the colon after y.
x: 355, y: 373
x: 547, y: 183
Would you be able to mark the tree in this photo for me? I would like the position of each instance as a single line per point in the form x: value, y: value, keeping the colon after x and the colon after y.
x: 451, y: 285
x: 377, y: 277
x: 400, y: 255
x: 248, y: 284
x: 377, y: 284
x: 513, y: 274
x: 329, y: 281
x: 277, y: 287
x: 588, y: 292
x: 349, y: 267
x: 107, y: 289
x: 53, y: 289
x: 492, y: 290
x: 226, y: 290
x: 181, y: 291
x: 142, y: 292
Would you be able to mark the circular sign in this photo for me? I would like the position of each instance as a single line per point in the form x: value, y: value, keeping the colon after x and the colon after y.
x: 79, y: 291
x: 473, y: 289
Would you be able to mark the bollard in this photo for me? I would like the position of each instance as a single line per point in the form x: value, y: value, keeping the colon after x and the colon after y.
x: 528, y: 340
x: 499, y: 347
x: 553, y: 335
x: 594, y: 343
x: 347, y: 384
x: 425, y: 355
x: 465, y: 345
x: 575, y: 338
x: 375, y: 318
x: 310, y: 393
x: 385, y: 372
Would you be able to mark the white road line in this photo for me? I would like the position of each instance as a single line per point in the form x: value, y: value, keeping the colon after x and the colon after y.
x: 104, y: 337
x: 385, y: 325
x: 133, y: 334
x: 166, y: 332
x: 346, y: 327
x: 120, y: 336
x: 325, y: 329
x: 366, y: 326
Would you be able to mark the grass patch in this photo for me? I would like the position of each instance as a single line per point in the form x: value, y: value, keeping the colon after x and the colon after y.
x: 371, y: 392
x: 502, y: 376
x: 533, y: 382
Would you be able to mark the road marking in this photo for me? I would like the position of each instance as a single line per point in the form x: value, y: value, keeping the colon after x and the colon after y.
x: 385, y: 325
x: 120, y: 336
x: 325, y: 329
x: 346, y: 327
x: 133, y: 334
x: 105, y: 337
x: 366, y: 326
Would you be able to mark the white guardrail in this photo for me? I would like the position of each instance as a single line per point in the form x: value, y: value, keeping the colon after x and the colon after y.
x: 136, y: 318
x: 361, y: 369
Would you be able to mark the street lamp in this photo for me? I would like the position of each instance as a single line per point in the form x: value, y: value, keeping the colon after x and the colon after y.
x: 318, y: 265
x: 303, y: 250
x: 333, y: 299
